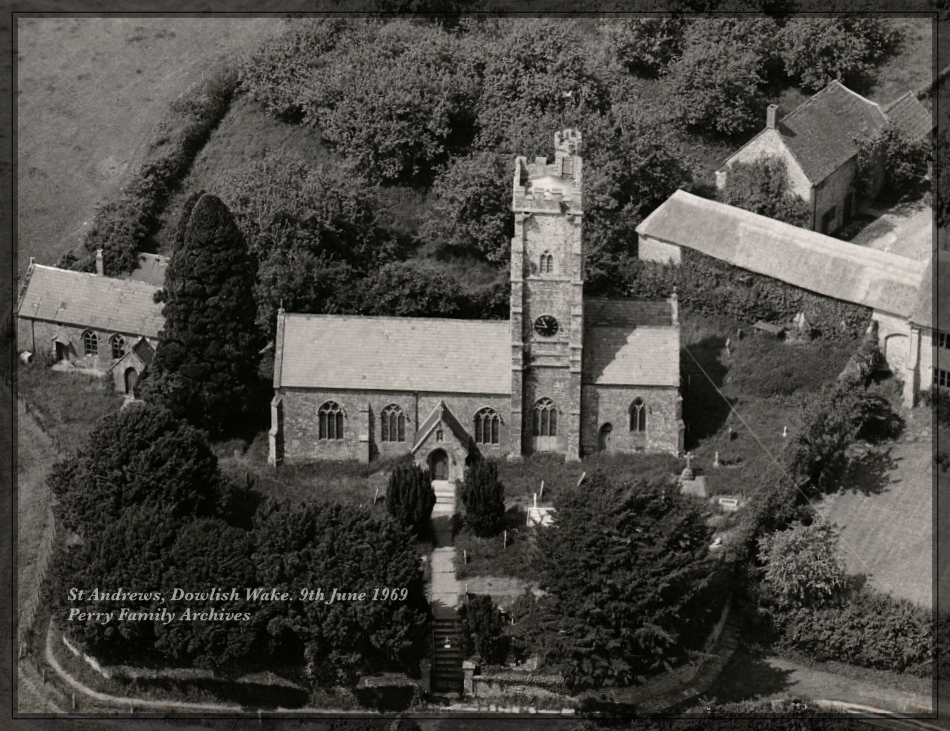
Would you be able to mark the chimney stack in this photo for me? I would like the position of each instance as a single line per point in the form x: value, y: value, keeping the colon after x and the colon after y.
x: 100, y: 268
x: 770, y: 116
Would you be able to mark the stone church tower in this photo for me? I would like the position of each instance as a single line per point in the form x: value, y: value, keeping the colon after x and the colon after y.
x: 547, y: 302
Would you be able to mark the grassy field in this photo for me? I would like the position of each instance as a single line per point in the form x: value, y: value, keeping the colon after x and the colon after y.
x: 89, y: 92
x: 911, y: 68
x: 885, y: 515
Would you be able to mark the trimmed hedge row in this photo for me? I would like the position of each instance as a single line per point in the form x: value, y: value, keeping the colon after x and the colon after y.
x: 712, y: 287
x: 871, y: 630
x: 121, y: 226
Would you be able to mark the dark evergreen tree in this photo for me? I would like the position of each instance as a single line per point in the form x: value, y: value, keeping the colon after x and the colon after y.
x: 331, y: 546
x: 205, y: 367
x: 210, y: 554
x: 624, y: 570
x: 141, y: 455
x: 410, y: 497
x: 485, y: 626
x: 483, y: 496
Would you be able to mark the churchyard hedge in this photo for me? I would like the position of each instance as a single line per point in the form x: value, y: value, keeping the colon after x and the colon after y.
x: 870, y: 629
x: 713, y: 287
x: 121, y: 226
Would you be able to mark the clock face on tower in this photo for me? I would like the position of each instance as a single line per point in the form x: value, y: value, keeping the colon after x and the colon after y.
x: 546, y: 326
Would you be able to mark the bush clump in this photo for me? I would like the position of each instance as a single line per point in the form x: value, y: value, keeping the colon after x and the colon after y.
x: 410, y: 497
x: 483, y: 495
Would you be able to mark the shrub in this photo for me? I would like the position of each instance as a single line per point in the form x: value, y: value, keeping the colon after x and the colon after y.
x: 485, y: 626
x: 938, y: 399
x: 903, y: 161
x: 483, y: 495
x: 410, y: 497
x: 801, y: 565
x: 871, y: 630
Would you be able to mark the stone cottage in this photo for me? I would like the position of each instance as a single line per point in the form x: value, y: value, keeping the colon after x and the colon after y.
x: 898, y: 289
x: 564, y: 374
x: 89, y: 321
x: 817, y: 143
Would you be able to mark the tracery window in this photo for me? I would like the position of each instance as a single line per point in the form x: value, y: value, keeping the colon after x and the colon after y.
x: 90, y: 343
x: 393, y: 421
x: 545, y: 418
x: 331, y: 421
x: 118, y: 346
x: 638, y: 416
x: 487, y: 424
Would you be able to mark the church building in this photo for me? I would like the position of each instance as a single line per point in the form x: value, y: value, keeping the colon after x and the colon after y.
x: 564, y: 374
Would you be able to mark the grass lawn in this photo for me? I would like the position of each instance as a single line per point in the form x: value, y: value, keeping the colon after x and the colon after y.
x: 68, y: 403
x: 89, y: 92
x: 911, y: 68
x: 35, y: 453
x: 739, y: 403
x: 885, y: 515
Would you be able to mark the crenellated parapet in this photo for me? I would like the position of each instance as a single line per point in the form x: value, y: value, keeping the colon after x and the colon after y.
x: 554, y: 187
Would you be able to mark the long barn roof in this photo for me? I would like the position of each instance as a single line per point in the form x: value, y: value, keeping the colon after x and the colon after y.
x: 798, y: 256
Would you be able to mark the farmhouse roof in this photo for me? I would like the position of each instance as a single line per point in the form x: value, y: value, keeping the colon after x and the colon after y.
x: 910, y: 116
x: 933, y: 288
x: 630, y: 342
x: 820, y: 132
x: 800, y: 257
x: 89, y: 300
x: 393, y: 353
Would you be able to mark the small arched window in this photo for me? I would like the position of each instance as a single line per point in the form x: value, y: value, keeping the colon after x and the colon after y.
x: 393, y: 421
x: 487, y: 422
x: 638, y: 416
x: 90, y: 343
x: 546, y: 265
x: 118, y: 346
x: 331, y: 421
x: 545, y: 418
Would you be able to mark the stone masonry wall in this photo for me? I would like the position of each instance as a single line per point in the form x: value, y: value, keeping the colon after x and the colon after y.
x: 37, y: 336
x: 611, y: 405
x: 301, y: 424
x: 832, y: 192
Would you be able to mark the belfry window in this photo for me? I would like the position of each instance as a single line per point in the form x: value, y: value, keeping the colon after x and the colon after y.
x: 546, y: 265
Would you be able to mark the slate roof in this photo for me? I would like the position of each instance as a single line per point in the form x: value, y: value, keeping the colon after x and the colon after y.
x: 800, y: 257
x: 151, y: 268
x: 441, y: 414
x: 393, y: 353
x: 910, y: 116
x: 88, y: 300
x: 820, y: 132
x: 925, y: 314
x: 630, y: 343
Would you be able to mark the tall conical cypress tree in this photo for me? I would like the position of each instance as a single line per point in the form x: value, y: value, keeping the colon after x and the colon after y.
x: 205, y: 367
